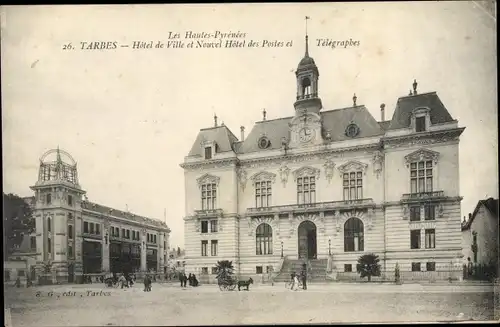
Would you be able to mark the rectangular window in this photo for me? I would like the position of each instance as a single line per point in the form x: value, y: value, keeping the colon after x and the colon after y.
x: 415, y: 238
x: 165, y: 246
x: 70, y: 251
x: 128, y: 233
x: 306, y: 190
x: 415, y: 266
x: 154, y: 238
x: 85, y: 227
x: 353, y: 186
x: 213, y: 248
x: 348, y: 267
x: 33, y: 242
x: 204, y: 246
x: 70, y: 232
x: 258, y: 270
x: 70, y: 200
x: 415, y: 213
x: 98, y: 229
x: 213, y: 226
x: 208, y: 152
x: 430, y: 238
x: 420, y: 124
x: 421, y: 176
x: 204, y: 270
x: 430, y: 266
x: 430, y: 212
x: 49, y: 198
x: 204, y: 226
x: 214, y: 270
x: 20, y: 273
x: 208, y: 196
x: 49, y: 245
x: 263, y: 192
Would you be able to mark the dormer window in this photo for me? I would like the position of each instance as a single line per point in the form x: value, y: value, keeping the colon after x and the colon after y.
x: 420, y: 124
x: 208, y: 152
x: 209, y: 149
x: 420, y: 120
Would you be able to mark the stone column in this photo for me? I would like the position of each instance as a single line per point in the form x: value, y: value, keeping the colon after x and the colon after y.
x: 143, y: 251
x: 60, y: 247
x: 161, y: 251
x: 78, y: 267
x: 105, y: 246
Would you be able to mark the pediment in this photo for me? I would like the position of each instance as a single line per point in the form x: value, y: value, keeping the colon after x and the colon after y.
x: 420, y: 155
x: 306, y: 171
x: 263, y: 176
x: 353, y: 165
x: 208, y: 178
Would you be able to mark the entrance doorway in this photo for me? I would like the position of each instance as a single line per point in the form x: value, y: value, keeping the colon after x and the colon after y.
x: 307, y: 240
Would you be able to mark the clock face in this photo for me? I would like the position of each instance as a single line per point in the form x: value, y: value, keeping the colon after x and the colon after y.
x: 305, y: 134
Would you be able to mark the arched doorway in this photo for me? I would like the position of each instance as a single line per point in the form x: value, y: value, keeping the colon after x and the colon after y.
x: 307, y: 240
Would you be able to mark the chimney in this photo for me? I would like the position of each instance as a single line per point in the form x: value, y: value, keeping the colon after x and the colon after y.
x: 382, y: 111
x: 242, y: 128
x: 470, y: 216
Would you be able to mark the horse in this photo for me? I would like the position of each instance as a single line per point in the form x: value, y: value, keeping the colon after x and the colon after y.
x: 245, y: 283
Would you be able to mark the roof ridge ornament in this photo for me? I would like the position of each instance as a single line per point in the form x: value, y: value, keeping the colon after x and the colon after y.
x: 415, y: 84
x: 354, y: 98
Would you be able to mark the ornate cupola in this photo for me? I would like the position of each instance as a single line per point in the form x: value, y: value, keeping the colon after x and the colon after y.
x: 307, y: 75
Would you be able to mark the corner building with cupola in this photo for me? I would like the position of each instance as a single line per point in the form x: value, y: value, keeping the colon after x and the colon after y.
x: 324, y: 187
x: 75, y: 237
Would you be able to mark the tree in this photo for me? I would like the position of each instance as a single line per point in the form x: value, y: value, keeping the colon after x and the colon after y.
x: 397, y: 274
x: 224, y: 270
x: 17, y: 221
x: 368, y: 266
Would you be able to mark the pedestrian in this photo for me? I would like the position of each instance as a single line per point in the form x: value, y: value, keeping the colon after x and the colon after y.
x: 123, y: 281
x: 296, y: 281
x: 181, y: 279
x: 184, y: 279
x: 149, y: 284
x: 304, y: 279
x: 18, y: 282
x: 190, y: 279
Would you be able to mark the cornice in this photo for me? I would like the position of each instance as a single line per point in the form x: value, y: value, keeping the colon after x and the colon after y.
x: 431, y: 137
x: 105, y: 217
x: 321, y: 154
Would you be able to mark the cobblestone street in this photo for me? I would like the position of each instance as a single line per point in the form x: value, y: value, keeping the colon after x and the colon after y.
x: 86, y: 305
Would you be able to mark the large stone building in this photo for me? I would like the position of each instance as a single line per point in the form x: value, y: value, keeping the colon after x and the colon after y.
x: 326, y: 186
x: 75, y: 236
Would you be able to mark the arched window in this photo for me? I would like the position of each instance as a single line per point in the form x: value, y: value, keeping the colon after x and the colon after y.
x: 306, y: 86
x: 353, y: 235
x: 49, y: 224
x: 264, y: 239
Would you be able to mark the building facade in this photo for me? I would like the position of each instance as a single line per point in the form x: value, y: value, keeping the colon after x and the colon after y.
x: 480, y: 234
x: 326, y: 186
x: 74, y: 236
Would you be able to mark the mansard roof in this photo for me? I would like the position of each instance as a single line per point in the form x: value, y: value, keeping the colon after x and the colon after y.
x: 91, y: 206
x: 221, y: 135
x: 405, y: 105
x: 334, y: 121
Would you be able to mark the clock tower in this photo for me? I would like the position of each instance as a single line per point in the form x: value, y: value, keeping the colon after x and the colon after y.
x: 305, y: 127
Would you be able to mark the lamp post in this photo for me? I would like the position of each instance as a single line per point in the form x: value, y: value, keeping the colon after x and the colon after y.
x: 282, y: 249
x: 329, y: 247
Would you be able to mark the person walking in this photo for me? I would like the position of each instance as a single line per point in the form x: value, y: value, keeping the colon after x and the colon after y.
x: 303, y: 276
x: 295, y: 282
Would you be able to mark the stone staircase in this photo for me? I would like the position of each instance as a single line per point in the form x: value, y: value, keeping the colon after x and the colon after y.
x: 316, y: 269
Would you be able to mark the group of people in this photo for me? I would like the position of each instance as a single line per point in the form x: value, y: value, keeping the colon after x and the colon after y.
x: 191, y: 279
x: 295, y: 280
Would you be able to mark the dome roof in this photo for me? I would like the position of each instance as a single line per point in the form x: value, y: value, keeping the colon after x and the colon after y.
x: 307, y: 61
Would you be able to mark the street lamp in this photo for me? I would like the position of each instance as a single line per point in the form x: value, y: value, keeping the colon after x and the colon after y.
x: 329, y: 247
x: 282, y: 249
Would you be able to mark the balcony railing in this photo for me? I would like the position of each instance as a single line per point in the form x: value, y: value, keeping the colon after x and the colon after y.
x: 307, y: 96
x: 318, y: 206
x: 208, y: 213
x: 422, y: 196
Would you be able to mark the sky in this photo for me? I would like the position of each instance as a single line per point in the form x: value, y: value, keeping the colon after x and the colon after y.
x: 130, y: 116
